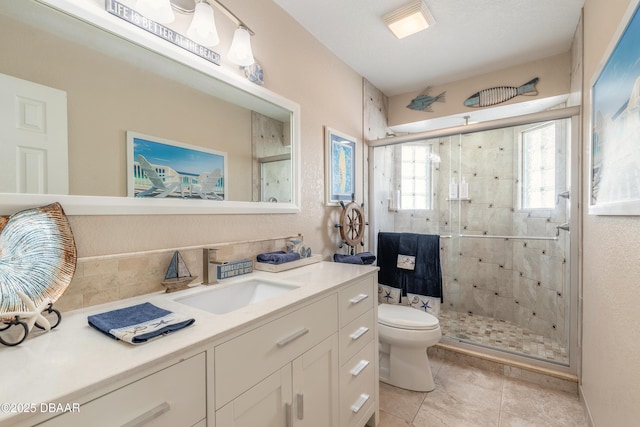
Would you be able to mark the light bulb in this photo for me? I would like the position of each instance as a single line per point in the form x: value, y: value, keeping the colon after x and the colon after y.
x: 240, y: 51
x: 203, y: 26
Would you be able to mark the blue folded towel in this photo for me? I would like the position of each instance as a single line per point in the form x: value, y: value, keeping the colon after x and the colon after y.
x: 278, y: 257
x: 361, y: 258
x: 139, y: 323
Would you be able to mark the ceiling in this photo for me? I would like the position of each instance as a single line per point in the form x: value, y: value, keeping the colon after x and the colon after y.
x: 469, y: 38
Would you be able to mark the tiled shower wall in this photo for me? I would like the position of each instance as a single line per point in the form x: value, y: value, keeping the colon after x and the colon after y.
x: 522, y: 281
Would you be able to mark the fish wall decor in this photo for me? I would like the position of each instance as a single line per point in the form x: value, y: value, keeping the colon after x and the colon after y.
x: 423, y: 101
x: 497, y: 95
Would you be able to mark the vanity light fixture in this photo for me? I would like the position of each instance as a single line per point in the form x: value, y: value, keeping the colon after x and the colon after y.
x: 157, y: 10
x: 409, y: 19
x: 203, y: 30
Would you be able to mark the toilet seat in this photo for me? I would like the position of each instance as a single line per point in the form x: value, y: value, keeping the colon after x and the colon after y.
x: 403, y: 317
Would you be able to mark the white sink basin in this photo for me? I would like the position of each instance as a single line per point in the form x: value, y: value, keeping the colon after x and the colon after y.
x: 225, y: 299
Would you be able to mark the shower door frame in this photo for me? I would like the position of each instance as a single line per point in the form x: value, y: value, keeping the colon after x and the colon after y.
x: 572, y: 113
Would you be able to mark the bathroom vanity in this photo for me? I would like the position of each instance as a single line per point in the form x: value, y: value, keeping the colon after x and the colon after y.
x: 304, y: 357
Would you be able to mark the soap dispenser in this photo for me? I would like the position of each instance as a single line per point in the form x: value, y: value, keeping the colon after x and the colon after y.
x: 464, y: 189
x: 453, y: 189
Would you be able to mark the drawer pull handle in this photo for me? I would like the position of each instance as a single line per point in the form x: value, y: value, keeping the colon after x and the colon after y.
x: 355, y: 371
x: 149, y: 416
x: 360, y: 332
x: 359, y: 298
x: 300, y: 404
x: 359, y: 403
x: 294, y: 336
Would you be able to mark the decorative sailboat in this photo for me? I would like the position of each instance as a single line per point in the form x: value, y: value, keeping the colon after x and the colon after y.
x: 178, y: 275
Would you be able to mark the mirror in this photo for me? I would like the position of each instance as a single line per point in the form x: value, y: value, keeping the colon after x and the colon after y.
x: 117, y: 86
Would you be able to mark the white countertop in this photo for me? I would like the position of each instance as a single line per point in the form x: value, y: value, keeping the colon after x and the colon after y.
x: 74, y: 359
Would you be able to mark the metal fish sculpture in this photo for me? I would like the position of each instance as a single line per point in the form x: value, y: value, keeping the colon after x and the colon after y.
x: 497, y: 95
x: 423, y: 101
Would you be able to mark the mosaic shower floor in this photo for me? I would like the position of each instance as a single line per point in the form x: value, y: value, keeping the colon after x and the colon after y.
x: 500, y: 334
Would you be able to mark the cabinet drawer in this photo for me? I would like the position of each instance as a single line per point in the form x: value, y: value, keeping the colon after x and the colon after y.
x: 357, y: 383
x: 173, y: 397
x: 356, y: 299
x: 356, y: 335
x: 244, y: 361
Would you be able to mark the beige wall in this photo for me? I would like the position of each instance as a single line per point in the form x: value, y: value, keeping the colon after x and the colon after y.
x: 610, y: 285
x: 298, y: 67
x: 553, y: 73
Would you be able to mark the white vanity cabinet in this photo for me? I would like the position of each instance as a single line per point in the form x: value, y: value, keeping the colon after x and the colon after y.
x: 315, y: 366
x: 172, y: 397
x: 308, y: 362
x: 358, y: 353
x: 284, y: 373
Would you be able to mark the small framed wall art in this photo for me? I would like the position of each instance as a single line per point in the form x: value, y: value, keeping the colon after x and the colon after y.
x: 340, y: 164
x: 159, y: 168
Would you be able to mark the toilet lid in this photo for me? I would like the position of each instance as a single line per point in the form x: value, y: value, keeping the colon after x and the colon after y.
x: 404, y: 317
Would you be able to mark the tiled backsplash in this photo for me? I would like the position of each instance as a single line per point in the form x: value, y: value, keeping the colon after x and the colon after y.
x: 114, y: 277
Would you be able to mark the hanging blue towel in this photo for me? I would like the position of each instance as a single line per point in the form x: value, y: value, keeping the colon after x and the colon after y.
x: 365, y: 258
x: 139, y: 323
x: 426, y: 278
x: 278, y: 257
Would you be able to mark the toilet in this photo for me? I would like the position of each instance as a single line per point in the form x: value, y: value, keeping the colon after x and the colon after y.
x: 404, y: 335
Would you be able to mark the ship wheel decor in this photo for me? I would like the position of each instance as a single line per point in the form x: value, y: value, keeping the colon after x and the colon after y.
x: 352, y: 225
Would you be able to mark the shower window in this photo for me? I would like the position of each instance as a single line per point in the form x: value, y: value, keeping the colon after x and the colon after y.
x: 416, y: 181
x: 538, y: 166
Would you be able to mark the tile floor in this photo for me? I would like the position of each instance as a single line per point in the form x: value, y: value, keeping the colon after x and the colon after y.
x: 500, y: 334
x: 468, y: 397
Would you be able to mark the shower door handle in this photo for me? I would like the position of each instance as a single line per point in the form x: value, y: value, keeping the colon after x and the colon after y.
x: 564, y: 227
x: 564, y: 195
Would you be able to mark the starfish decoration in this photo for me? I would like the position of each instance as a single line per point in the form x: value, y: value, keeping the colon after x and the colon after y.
x: 425, y: 305
x: 33, y: 315
x: 387, y: 295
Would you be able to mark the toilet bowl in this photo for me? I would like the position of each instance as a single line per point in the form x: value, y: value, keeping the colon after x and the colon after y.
x: 404, y: 335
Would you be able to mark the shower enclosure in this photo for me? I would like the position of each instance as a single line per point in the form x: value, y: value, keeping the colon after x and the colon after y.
x: 499, y: 197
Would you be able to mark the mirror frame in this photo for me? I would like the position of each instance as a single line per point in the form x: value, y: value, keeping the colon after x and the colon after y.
x: 83, y: 20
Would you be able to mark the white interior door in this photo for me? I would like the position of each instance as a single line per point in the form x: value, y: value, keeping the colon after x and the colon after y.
x: 33, y: 138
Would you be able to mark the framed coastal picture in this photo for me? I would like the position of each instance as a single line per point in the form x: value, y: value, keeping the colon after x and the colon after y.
x: 340, y: 159
x: 615, y: 124
x: 161, y: 168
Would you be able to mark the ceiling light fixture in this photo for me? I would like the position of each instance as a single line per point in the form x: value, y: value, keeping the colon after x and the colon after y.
x: 409, y: 19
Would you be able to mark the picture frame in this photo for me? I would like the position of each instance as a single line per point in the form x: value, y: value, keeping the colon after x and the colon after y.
x: 161, y: 168
x: 340, y: 166
x: 614, y: 184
